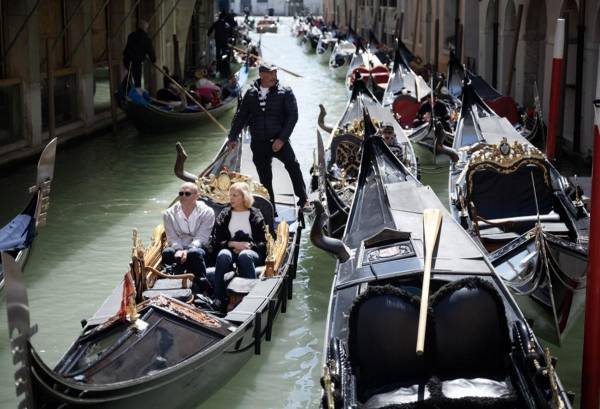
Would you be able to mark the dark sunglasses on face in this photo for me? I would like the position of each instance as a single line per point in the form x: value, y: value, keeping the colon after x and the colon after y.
x: 185, y: 193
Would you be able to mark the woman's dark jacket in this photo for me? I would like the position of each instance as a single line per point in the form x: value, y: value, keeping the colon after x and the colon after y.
x: 221, y: 234
x: 278, y: 119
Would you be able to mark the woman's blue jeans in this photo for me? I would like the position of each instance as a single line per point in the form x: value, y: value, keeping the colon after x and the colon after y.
x: 246, y: 262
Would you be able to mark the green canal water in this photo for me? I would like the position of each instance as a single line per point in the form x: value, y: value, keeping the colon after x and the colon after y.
x: 108, y: 185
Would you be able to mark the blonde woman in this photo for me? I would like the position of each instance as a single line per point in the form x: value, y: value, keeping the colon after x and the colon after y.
x: 238, y: 237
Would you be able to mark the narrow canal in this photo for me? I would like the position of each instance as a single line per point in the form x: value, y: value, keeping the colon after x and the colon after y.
x: 108, y: 185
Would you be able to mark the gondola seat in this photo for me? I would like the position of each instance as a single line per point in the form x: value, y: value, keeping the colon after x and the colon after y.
x: 495, y: 194
x: 381, y: 341
x: 471, y: 333
x: 173, y: 286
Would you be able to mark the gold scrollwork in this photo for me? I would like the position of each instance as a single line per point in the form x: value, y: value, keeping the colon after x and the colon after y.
x: 505, y: 158
x: 355, y: 128
x: 217, y: 187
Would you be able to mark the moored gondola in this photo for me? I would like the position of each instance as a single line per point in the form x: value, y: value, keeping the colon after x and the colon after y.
x: 16, y: 236
x: 530, y: 123
x: 152, y: 116
x: 528, y: 218
x: 340, y: 59
x: 477, y: 350
x: 325, y: 47
x: 373, y: 73
x: 405, y: 90
x: 335, y: 171
x: 156, y: 342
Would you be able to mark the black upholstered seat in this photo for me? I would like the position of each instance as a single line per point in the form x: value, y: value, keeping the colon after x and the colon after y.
x: 471, y: 332
x: 382, y: 339
x: 496, y: 194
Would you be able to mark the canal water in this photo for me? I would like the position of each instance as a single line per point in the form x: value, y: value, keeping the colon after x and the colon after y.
x: 108, y: 185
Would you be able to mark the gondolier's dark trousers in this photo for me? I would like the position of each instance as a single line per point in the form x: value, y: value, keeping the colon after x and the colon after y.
x: 136, y: 74
x: 262, y: 156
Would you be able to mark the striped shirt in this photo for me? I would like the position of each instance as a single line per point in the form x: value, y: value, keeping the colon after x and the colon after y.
x: 262, y: 98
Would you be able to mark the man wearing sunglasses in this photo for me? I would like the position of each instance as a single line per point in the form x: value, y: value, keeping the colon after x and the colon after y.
x: 188, y: 224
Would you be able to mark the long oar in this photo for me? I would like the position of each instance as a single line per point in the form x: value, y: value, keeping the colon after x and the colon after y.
x: 432, y: 220
x: 192, y: 98
x: 241, y: 50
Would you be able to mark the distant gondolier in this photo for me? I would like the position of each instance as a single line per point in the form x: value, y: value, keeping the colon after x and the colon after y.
x: 270, y: 111
x: 223, y: 32
x: 139, y: 45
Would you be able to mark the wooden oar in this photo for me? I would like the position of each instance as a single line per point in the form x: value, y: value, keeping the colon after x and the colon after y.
x: 432, y: 220
x: 241, y: 50
x: 192, y: 98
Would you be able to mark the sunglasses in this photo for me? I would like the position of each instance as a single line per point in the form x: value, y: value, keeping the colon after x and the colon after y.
x: 185, y: 193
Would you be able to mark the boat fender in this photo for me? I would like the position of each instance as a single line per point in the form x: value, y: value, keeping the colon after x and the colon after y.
x: 326, y: 243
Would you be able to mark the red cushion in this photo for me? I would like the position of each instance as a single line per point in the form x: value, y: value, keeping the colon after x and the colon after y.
x: 506, y: 107
x: 406, y: 109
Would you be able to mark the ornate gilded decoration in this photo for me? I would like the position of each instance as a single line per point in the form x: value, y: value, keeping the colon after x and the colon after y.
x: 276, y: 249
x: 217, y: 187
x: 505, y: 158
x: 355, y: 128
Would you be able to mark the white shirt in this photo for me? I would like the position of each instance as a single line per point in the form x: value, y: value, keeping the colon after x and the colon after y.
x: 188, y: 231
x: 240, y: 221
x: 263, y: 92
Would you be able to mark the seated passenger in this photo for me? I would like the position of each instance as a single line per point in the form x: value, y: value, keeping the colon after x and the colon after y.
x: 231, y: 88
x: 205, y: 88
x: 238, y: 237
x: 389, y: 137
x: 188, y: 224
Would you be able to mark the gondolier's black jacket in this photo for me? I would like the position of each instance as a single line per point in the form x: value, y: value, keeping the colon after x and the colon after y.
x: 138, y: 46
x: 277, y: 121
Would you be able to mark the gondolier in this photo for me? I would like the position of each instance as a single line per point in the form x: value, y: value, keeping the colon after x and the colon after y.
x: 270, y: 111
x: 139, y: 45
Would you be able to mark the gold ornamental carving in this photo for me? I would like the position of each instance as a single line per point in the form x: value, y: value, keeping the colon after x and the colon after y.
x: 276, y: 249
x: 506, y: 158
x: 216, y: 187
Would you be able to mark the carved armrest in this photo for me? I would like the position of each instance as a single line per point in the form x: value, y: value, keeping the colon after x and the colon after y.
x: 153, y: 275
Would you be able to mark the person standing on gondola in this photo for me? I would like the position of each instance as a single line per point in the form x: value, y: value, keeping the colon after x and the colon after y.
x: 271, y: 112
x: 223, y: 32
x: 139, y: 45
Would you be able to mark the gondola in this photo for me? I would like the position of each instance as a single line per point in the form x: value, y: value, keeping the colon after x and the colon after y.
x: 335, y: 171
x: 530, y: 220
x: 17, y: 235
x: 339, y: 62
x: 151, y: 116
x: 467, y: 346
x: 530, y: 124
x: 311, y: 40
x: 372, y: 72
x: 266, y: 25
x: 405, y: 90
x: 157, y: 343
x: 325, y: 47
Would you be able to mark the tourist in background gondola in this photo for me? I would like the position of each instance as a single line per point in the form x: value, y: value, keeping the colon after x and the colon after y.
x: 188, y: 224
x: 139, y: 45
x: 238, y: 237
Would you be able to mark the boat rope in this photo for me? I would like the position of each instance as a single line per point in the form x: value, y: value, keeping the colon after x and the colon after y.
x: 63, y: 32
